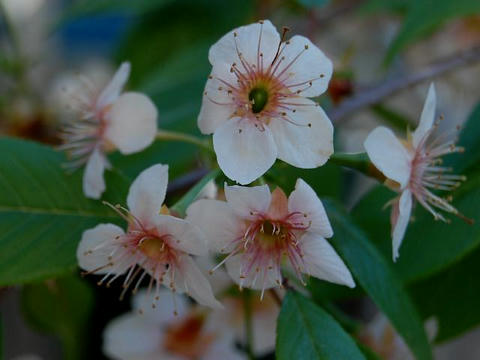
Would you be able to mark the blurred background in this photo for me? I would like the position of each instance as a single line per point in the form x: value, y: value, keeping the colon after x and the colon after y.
x: 385, y: 54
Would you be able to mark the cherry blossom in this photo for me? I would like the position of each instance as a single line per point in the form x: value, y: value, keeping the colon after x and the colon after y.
x: 413, y: 168
x: 256, y: 102
x: 155, y: 244
x: 174, y: 331
x: 107, y: 120
x: 260, y: 231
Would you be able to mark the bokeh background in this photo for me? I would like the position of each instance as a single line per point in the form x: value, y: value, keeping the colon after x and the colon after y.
x: 385, y: 53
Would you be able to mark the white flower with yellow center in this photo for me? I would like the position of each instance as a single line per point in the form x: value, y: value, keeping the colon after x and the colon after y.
x: 256, y: 102
x: 107, y: 120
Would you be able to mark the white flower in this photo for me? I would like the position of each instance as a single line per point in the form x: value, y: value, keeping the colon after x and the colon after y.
x: 260, y: 230
x: 412, y: 168
x: 158, y: 334
x: 256, y: 102
x: 155, y: 244
x: 107, y: 120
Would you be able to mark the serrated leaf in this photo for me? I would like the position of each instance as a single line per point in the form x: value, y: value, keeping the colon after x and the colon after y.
x: 452, y: 297
x: 378, y: 279
x: 305, y: 331
x: 429, y: 246
x: 61, y: 307
x: 43, y: 211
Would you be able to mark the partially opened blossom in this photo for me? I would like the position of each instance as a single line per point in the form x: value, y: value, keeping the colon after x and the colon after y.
x: 107, y: 120
x: 256, y: 102
x: 158, y: 334
x: 260, y: 231
x: 155, y: 244
x: 413, y: 168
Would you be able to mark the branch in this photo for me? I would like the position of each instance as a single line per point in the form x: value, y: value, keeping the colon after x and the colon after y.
x: 376, y: 94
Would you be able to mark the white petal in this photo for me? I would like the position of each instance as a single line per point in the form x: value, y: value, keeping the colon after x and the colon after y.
x: 93, y: 181
x: 304, y: 200
x: 389, y: 155
x: 264, y: 327
x: 244, y: 152
x: 130, y: 337
x: 195, y: 283
x: 400, y: 226
x: 254, y: 280
x: 146, y: 194
x: 132, y: 122
x: 247, y: 42
x: 218, y: 222
x: 185, y: 236
x: 165, y: 309
x: 244, y: 200
x: 219, y: 279
x: 217, y: 106
x: 322, y: 261
x: 96, y: 246
x: 111, y: 92
x: 305, y: 62
x: 223, y: 348
x: 427, y: 118
x: 306, y: 139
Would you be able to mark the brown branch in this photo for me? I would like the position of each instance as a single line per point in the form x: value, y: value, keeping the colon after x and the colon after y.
x: 376, y: 94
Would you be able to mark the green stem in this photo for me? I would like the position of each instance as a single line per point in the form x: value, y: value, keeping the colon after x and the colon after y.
x: 359, y: 162
x: 247, y: 309
x: 182, y: 137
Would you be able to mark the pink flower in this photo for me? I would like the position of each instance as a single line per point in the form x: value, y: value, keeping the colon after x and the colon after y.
x: 107, y: 120
x: 256, y: 102
x: 412, y: 168
x: 260, y: 231
x: 154, y: 244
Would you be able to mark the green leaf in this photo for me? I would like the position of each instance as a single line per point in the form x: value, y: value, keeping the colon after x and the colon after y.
x: 313, y: 3
x: 61, y: 307
x: 425, y: 16
x: 305, y: 331
x: 379, y: 280
x: 452, y: 297
x: 181, y: 206
x: 43, y: 211
x: 470, y: 139
x: 429, y: 246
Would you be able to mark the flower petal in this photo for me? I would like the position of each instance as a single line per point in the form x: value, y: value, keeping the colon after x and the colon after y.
x: 304, y: 200
x: 111, y: 92
x: 217, y: 103
x: 427, y: 118
x: 223, y: 348
x: 389, y: 155
x: 146, y: 194
x: 130, y: 337
x: 185, y: 236
x: 167, y: 305
x: 255, y: 280
x: 244, y: 151
x: 305, y: 67
x: 305, y: 140
x: 218, y: 222
x: 251, y: 41
x: 96, y: 246
x: 245, y: 200
x: 93, y: 181
x: 132, y: 122
x: 322, y: 261
x: 195, y: 283
x: 400, y: 222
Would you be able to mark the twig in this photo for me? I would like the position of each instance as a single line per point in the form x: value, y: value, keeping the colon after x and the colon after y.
x: 376, y: 94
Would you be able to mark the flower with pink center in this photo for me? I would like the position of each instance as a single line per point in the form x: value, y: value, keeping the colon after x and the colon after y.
x: 256, y: 102
x: 158, y: 334
x: 155, y: 244
x: 413, y: 168
x: 261, y: 230
x: 107, y: 120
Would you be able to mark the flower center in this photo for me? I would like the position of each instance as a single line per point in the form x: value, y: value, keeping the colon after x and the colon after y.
x: 258, y: 97
x: 271, y: 236
x: 154, y: 248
